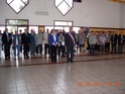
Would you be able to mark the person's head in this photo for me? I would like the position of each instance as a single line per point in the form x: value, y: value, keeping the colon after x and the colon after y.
x: 91, y: 32
x: 20, y: 31
x: 53, y: 32
x: 47, y: 30
x: 6, y: 30
x: 26, y: 30
x: 71, y: 29
x: 107, y: 32
x: 114, y: 32
x: 60, y: 34
x: 16, y: 32
x: 32, y: 31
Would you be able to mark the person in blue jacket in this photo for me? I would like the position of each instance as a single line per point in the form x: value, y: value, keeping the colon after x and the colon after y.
x: 32, y: 43
x: 53, y: 41
x: 16, y: 44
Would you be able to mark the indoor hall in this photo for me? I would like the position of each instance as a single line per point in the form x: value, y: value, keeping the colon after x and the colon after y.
x: 93, y: 69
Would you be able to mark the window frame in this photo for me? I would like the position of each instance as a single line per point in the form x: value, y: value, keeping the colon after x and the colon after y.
x: 66, y: 3
x: 63, y: 21
x: 25, y: 5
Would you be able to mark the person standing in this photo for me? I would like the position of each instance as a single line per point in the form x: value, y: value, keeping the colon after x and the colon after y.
x: 39, y: 42
x: 70, y: 43
x: 26, y: 42
x: 102, y: 40
x: 121, y: 40
x: 81, y: 39
x: 61, y: 44
x: 0, y: 43
x: 46, y: 42
x: 32, y: 43
x: 92, y: 42
x: 20, y: 34
x: 107, y: 43
x: 53, y: 40
x: 6, y: 41
x: 114, y: 38
x: 16, y: 44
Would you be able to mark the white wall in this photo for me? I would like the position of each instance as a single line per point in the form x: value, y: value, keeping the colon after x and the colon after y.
x: 93, y: 13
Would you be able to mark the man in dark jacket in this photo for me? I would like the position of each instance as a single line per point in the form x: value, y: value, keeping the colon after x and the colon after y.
x: 114, y: 38
x: 121, y: 40
x: 6, y: 41
x: 26, y: 42
x: 70, y: 44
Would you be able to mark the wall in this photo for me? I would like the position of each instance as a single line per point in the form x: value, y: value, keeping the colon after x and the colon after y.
x: 92, y: 13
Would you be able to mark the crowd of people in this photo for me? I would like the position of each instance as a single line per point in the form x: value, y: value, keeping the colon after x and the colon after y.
x: 58, y: 42
x: 105, y: 42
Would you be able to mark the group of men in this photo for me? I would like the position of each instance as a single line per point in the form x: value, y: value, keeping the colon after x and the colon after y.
x: 22, y: 43
x: 58, y: 42
x: 30, y: 42
x: 105, y: 42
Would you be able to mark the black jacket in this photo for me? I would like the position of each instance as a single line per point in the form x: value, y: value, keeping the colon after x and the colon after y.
x: 68, y: 40
x: 6, y: 40
x: 25, y: 38
x: 121, y: 40
x: 114, y: 39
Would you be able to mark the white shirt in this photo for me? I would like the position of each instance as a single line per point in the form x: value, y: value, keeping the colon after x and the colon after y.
x: 16, y: 40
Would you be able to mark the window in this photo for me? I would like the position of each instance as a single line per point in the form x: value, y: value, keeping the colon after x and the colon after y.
x: 64, y: 6
x: 17, y: 22
x: 17, y: 5
x: 63, y: 23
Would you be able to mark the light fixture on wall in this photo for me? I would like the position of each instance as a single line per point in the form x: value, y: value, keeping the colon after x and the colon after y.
x: 17, y: 5
x: 64, y: 6
x: 118, y: 1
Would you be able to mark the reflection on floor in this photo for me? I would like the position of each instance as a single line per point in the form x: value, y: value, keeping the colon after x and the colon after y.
x: 99, y: 74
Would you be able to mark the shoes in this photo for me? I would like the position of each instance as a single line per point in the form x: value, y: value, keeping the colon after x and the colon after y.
x: 70, y: 61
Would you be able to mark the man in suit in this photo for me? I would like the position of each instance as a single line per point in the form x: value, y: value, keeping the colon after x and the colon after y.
x: 26, y: 42
x: 70, y: 44
x: 6, y: 41
x: 114, y: 38
x: 121, y: 40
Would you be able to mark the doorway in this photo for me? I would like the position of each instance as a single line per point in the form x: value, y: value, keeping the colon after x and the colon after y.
x: 16, y: 24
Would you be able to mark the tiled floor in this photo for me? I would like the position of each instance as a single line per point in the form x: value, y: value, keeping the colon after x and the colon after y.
x: 102, y: 74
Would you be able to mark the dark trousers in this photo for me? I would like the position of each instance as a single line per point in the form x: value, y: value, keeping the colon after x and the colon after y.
x: 7, y: 51
x: 107, y: 47
x: 102, y: 48
x: 81, y: 47
x: 53, y: 53
x: 70, y: 54
x: 113, y: 48
x: 39, y: 48
x: 97, y: 47
x: 61, y: 48
x: 47, y: 49
x: 26, y: 50
x: 120, y: 48
x: 91, y: 49
x: 32, y: 49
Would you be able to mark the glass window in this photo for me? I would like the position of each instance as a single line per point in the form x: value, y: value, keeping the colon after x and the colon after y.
x: 16, y: 22
x: 35, y: 28
x: 63, y: 23
x: 17, y: 5
x: 64, y: 6
x: 49, y: 28
x: 2, y: 28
